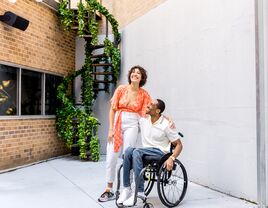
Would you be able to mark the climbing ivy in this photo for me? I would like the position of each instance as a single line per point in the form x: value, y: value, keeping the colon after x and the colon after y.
x: 68, y: 114
x: 114, y: 53
x: 66, y: 15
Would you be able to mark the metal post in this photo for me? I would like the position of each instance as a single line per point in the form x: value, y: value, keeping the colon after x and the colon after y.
x: 260, y: 104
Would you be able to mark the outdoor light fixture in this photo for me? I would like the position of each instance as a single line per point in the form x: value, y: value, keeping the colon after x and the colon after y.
x: 12, y: 1
x: 14, y: 20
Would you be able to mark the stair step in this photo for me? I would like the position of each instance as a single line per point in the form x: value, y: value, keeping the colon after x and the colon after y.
x: 103, y: 73
x: 102, y: 64
x: 99, y: 89
x: 97, y: 46
x: 99, y: 55
x: 98, y: 14
x: 102, y: 81
x: 77, y: 145
x: 86, y: 36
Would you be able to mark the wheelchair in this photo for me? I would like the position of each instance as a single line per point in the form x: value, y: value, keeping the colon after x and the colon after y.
x: 171, y: 185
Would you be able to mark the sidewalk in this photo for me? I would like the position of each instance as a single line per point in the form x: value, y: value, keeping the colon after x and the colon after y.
x: 70, y: 183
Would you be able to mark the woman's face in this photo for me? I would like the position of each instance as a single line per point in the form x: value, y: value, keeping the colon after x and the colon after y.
x: 135, y: 76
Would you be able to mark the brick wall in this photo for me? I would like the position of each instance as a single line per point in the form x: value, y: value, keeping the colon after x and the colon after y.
x: 43, y: 45
x: 127, y: 11
x: 28, y: 140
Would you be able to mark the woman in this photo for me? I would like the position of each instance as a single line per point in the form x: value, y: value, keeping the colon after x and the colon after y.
x: 128, y: 103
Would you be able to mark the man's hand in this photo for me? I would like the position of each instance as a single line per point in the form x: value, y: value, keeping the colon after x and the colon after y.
x: 168, y: 164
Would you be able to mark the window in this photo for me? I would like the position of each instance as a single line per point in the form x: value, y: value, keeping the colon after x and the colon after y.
x: 8, y: 90
x: 27, y: 92
x: 51, y: 101
x: 31, y: 92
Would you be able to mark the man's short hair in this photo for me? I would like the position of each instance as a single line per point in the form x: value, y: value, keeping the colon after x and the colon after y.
x: 161, y: 105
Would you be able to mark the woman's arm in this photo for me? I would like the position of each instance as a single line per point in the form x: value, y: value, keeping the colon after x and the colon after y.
x: 111, y: 124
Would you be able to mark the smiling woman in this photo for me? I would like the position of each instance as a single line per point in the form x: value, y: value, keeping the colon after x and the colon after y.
x: 128, y: 104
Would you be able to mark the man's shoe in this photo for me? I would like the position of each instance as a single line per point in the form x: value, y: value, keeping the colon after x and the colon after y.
x: 106, y: 196
x: 124, y: 195
x: 130, y: 201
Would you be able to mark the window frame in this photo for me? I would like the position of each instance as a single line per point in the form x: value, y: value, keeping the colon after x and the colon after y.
x: 43, y: 83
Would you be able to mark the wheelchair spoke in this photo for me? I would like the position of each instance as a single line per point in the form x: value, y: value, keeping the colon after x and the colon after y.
x: 172, y: 185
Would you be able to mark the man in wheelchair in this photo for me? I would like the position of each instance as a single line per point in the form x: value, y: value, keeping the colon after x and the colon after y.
x: 157, y: 136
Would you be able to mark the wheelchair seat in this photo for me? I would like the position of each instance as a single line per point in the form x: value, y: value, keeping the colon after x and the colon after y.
x: 150, y: 160
x: 155, y: 161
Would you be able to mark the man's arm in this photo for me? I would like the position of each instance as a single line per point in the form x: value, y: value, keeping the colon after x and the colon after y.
x: 178, y: 148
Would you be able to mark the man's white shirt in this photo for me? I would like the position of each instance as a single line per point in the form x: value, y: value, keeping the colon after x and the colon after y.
x: 158, y: 135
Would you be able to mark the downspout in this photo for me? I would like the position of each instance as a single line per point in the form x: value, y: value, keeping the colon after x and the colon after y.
x: 260, y: 104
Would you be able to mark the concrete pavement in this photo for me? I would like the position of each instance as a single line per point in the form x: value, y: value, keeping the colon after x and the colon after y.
x: 67, y: 182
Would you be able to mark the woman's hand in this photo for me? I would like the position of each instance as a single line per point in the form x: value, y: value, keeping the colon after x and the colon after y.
x: 110, y: 135
x: 171, y: 123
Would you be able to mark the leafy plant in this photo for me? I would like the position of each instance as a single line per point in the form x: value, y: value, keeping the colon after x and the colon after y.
x: 81, y: 13
x: 66, y: 15
x: 114, y: 53
x: 87, y: 125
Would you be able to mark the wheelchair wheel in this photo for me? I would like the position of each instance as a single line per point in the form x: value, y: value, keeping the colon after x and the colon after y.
x: 149, y: 179
x: 148, y: 205
x: 172, y: 185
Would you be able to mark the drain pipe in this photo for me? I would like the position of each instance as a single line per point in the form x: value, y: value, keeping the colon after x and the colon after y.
x: 260, y: 104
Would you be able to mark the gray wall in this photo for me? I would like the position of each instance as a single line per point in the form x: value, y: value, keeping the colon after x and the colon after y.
x: 200, y: 58
x: 265, y: 10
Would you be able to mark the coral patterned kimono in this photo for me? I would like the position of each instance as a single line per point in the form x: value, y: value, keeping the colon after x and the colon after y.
x: 119, y: 104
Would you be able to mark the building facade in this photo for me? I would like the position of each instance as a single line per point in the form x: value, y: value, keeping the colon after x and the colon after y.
x: 201, y: 57
x: 31, y: 63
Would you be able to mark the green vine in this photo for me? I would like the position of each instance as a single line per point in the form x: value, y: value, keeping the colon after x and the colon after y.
x: 114, y: 53
x: 73, y: 122
x: 81, y: 13
x: 66, y: 15
x: 87, y: 84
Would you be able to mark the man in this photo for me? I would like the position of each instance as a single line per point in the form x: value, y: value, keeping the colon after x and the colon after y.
x: 157, y: 135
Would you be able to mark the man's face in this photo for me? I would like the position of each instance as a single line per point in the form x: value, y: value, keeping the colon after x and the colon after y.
x: 152, y: 108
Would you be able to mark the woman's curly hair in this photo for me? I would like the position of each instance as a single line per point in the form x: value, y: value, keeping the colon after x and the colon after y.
x: 143, y: 75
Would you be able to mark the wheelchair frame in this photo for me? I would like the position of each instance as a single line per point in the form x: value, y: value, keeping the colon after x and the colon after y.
x: 154, y: 171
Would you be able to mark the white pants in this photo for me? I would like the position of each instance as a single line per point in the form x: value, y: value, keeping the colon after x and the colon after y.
x: 130, y: 130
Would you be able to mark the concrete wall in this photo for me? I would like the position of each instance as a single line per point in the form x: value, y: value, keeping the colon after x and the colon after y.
x: 265, y: 10
x: 200, y: 57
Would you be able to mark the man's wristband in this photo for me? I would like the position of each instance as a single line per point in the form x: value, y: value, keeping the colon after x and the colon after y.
x: 172, y: 158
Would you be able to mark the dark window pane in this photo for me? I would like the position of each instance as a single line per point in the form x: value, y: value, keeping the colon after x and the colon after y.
x: 52, y: 82
x: 8, y: 90
x: 30, y: 92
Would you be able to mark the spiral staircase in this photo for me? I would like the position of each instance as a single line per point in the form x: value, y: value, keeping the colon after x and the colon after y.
x: 76, y: 124
x: 103, y: 72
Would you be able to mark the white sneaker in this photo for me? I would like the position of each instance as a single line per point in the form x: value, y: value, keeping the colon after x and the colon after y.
x: 124, y: 195
x: 130, y: 201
